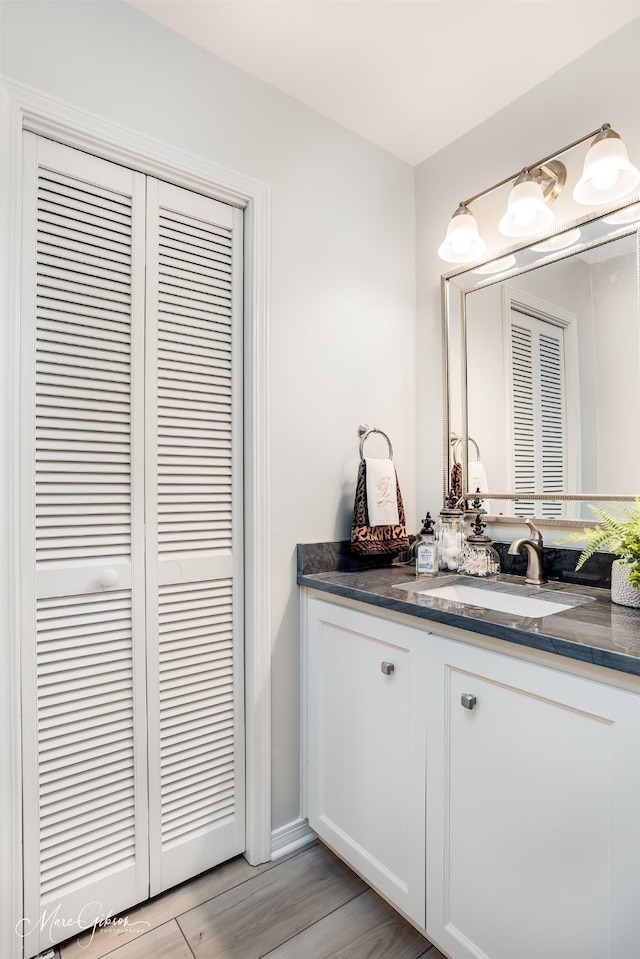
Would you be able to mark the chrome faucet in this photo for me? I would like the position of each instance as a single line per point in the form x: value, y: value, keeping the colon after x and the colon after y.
x: 534, y: 547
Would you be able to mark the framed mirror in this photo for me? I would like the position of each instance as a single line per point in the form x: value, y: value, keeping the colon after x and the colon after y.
x: 542, y: 372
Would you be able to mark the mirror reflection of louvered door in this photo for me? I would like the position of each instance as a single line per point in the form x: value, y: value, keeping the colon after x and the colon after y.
x: 130, y: 472
x: 537, y: 391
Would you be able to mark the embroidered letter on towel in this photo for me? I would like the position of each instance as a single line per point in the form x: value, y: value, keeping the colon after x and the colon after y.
x: 382, y: 495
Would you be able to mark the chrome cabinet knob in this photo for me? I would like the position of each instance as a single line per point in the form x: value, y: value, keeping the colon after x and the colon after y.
x: 468, y: 701
x: 387, y: 668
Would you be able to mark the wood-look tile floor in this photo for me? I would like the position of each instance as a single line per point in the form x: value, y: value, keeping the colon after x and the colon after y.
x: 308, y: 905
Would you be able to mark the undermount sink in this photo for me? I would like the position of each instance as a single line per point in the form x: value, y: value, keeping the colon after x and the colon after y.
x: 502, y: 602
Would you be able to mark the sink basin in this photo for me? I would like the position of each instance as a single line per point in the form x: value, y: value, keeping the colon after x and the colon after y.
x: 502, y: 602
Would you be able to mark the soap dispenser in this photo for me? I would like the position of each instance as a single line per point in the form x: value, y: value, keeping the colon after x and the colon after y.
x: 426, y: 549
x: 478, y: 557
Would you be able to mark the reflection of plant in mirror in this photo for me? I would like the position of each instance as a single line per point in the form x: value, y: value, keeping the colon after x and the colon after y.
x: 619, y: 534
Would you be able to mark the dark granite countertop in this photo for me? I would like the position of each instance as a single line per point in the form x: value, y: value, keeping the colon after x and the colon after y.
x: 595, y: 630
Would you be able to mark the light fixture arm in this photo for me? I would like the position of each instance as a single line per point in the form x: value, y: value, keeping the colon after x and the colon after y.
x: 552, y: 156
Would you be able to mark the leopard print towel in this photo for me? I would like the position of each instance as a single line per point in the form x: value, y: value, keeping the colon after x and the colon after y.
x: 456, y: 480
x: 375, y: 539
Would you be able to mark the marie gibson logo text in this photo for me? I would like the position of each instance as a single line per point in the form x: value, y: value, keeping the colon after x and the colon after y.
x: 90, y: 917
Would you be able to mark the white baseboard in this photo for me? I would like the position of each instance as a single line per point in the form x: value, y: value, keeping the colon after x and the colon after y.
x: 293, y: 835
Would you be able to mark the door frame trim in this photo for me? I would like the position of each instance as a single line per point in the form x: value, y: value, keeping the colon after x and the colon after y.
x: 24, y: 108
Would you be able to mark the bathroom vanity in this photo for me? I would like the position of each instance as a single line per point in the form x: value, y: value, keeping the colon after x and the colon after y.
x: 473, y: 747
x: 479, y: 766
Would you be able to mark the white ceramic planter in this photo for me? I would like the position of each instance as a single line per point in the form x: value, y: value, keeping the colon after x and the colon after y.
x: 622, y: 592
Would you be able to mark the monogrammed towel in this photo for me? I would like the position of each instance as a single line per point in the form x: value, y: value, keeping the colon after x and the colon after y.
x: 382, y: 496
x: 477, y: 477
x: 367, y: 537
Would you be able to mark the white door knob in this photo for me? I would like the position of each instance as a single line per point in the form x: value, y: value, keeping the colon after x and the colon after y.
x: 109, y: 578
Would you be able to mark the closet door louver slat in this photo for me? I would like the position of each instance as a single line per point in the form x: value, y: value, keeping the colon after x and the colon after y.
x: 85, y: 839
x: 194, y: 507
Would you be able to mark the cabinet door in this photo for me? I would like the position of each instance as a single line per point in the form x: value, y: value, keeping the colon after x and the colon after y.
x: 367, y: 748
x: 533, y: 841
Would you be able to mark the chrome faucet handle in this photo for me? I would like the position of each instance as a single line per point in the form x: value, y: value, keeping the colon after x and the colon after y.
x: 535, y: 533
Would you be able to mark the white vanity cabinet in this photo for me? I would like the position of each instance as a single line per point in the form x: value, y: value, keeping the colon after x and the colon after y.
x: 533, y: 810
x: 366, y: 748
x: 526, y: 775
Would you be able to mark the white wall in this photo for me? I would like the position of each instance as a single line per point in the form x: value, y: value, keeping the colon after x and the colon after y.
x: 601, y: 86
x: 342, y: 277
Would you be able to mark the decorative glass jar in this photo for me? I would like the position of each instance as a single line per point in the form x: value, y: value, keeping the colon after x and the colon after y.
x: 451, y: 532
x: 478, y: 557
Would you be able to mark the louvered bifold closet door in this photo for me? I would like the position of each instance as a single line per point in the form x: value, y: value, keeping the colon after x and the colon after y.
x: 82, y: 563
x: 538, y: 406
x: 194, y: 524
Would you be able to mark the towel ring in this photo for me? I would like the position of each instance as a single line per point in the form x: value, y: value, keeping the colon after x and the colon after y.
x: 365, y: 431
x: 457, y: 444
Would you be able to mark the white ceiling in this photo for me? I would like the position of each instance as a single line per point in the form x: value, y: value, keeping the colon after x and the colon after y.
x: 409, y: 75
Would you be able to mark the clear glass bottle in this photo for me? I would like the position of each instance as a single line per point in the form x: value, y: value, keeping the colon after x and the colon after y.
x: 451, y: 533
x: 478, y: 557
x: 426, y: 549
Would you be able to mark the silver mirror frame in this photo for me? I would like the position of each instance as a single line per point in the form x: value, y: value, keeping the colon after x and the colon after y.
x: 448, y: 290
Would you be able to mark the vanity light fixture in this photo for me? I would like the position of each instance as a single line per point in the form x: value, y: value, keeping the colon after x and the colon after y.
x: 462, y: 243
x: 527, y: 212
x: 608, y: 175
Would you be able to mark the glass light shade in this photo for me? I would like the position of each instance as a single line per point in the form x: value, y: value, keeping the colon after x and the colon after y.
x: 462, y: 244
x: 608, y: 175
x: 526, y: 213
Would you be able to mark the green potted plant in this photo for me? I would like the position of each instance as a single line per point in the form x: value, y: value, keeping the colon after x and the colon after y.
x: 619, y: 535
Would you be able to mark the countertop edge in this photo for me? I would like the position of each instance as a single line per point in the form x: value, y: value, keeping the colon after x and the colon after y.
x: 328, y: 582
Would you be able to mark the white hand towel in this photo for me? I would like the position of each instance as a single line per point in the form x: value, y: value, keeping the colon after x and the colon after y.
x: 477, y: 477
x: 382, y: 493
